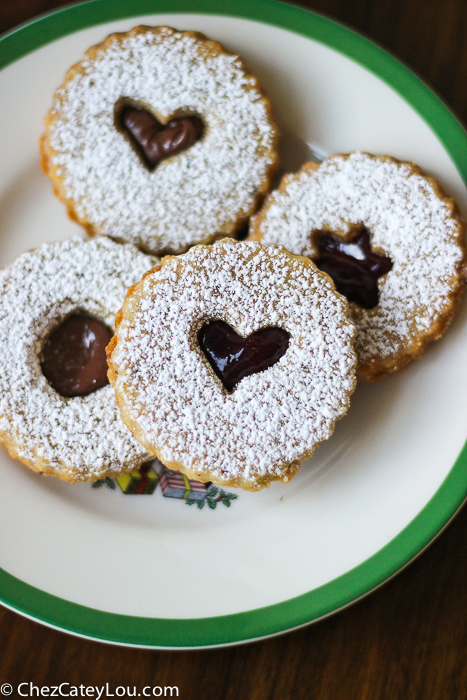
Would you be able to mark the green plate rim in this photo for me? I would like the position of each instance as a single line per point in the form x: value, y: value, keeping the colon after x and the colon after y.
x: 273, y: 619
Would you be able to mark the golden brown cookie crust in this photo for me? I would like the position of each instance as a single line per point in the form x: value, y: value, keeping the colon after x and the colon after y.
x: 435, y: 216
x: 229, y: 214
x: 273, y: 419
x: 79, y: 438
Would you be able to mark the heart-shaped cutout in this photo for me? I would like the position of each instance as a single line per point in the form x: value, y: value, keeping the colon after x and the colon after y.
x: 155, y: 141
x: 353, y: 266
x: 233, y: 357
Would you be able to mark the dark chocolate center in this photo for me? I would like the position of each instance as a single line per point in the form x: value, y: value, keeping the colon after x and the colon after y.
x: 243, y: 233
x: 233, y: 357
x: 354, y: 267
x: 73, y: 358
x: 155, y: 141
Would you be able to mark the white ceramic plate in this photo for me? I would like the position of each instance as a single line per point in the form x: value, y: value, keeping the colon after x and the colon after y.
x: 149, y: 570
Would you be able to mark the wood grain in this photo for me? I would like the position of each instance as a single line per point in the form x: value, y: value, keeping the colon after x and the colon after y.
x: 406, y: 641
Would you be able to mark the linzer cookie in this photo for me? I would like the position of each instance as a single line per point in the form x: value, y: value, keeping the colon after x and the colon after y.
x: 160, y: 138
x: 391, y: 240
x: 232, y: 362
x: 57, y: 308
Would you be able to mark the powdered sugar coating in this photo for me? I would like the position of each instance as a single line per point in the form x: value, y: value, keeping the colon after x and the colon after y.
x: 80, y: 438
x: 410, y: 220
x: 176, y: 405
x: 208, y: 189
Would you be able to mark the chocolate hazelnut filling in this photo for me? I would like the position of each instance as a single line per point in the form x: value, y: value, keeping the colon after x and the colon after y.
x: 353, y: 266
x: 243, y: 233
x: 73, y: 357
x: 233, y: 357
x: 155, y: 141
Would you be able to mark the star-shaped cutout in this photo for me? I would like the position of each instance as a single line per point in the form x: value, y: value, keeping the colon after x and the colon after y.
x: 353, y: 266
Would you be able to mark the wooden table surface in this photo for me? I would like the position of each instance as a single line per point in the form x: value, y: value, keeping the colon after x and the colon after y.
x: 408, y: 640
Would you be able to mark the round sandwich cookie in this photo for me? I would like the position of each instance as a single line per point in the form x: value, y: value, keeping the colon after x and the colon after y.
x: 160, y: 138
x: 232, y: 362
x: 391, y: 240
x: 57, y: 311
